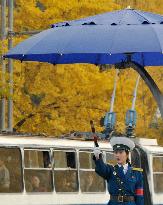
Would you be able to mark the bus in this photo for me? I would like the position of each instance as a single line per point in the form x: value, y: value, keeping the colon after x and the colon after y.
x: 53, y: 171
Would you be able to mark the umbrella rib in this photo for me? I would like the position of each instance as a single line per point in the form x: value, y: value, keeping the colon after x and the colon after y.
x: 141, y: 15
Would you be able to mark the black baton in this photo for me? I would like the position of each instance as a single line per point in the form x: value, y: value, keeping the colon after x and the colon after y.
x: 94, y: 135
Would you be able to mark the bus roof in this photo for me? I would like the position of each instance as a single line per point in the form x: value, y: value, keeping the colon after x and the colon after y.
x: 148, y: 145
x: 154, y: 149
x: 37, y: 141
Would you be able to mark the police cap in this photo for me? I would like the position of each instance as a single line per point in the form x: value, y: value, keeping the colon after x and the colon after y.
x: 122, y: 143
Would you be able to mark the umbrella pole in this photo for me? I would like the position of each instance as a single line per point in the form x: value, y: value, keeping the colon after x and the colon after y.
x: 151, y: 84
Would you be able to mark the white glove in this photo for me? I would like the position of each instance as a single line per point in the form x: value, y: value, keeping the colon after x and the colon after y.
x: 97, y: 152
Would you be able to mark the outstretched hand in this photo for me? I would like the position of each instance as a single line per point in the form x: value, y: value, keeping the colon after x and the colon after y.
x: 97, y: 152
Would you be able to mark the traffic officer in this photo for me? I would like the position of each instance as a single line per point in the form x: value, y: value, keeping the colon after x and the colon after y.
x: 125, y: 183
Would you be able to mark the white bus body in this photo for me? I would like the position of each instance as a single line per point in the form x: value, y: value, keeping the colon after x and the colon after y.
x: 58, y: 161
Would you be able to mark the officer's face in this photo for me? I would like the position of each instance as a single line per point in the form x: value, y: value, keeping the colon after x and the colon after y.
x: 121, y: 156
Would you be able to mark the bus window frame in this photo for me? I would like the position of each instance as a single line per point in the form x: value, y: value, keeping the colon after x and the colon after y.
x: 40, y: 150
x: 155, y: 155
x: 69, y: 149
x: 87, y: 151
x: 65, y: 150
x: 21, y: 167
x: 49, y: 149
x: 93, y: 170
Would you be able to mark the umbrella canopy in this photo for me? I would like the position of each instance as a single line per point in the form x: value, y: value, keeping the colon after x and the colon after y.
x: 102, y: 39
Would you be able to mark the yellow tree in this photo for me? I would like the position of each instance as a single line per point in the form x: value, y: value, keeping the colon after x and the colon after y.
x: 59, y: 99
x: 54, y: 107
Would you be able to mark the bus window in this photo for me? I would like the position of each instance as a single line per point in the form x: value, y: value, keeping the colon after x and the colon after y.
x: 37, y: 159
x: 64, y: 159
x: 110, y: 159
x: 38, y: 180
x: 158, y: 173
x: 158, y: 164
x: 37, y: 171
x: 89, y: 180
x: 86, y: 160
x: 10, y: 170
x: 65, y: 171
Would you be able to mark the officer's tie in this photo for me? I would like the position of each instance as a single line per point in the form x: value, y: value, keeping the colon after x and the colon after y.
x: 121, y: 170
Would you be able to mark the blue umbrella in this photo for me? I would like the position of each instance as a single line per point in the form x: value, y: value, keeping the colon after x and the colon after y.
x: 126, y: 38
x: 100, y: 39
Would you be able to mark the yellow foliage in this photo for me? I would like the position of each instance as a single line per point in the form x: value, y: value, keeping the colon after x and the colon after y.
x: 62, y: 98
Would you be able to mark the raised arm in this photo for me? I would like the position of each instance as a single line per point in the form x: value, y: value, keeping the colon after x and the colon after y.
x: 101, y: 168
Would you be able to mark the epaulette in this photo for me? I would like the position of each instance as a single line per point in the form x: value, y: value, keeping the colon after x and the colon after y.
x: 137, y: 169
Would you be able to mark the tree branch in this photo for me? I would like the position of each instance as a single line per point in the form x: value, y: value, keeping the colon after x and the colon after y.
x: 51, y: 105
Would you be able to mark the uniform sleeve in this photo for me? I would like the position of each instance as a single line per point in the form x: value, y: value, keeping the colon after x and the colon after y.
x: 102, y: 169
x: 139, y: 191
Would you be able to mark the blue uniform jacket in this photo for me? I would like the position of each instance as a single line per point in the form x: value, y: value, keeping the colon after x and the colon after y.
x: 132, y: 182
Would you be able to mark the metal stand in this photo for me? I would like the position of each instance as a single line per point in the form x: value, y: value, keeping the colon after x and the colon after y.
x: 3, y: 37
x: 10, y: 67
